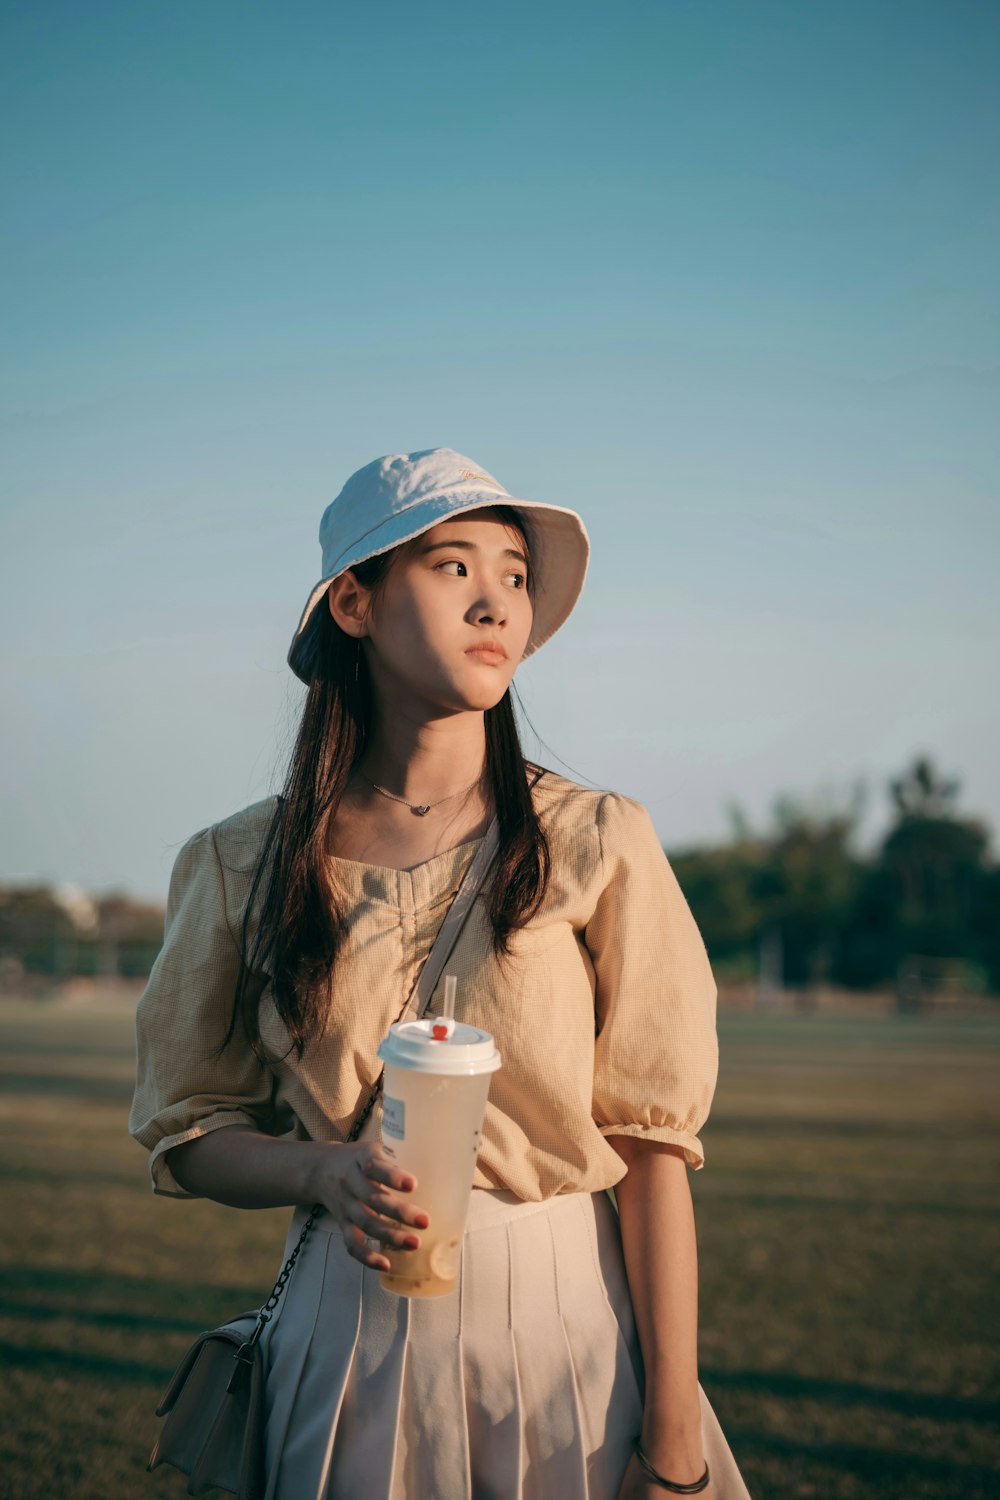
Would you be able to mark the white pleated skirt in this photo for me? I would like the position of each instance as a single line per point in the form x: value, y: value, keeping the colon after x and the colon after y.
x: 523, y: 1384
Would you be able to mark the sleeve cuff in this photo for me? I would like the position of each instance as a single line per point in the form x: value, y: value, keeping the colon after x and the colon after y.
x: 164, y: 1182
x: 693, y: 1152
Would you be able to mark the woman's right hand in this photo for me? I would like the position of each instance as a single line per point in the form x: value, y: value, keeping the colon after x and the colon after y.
x: 366, y: 1192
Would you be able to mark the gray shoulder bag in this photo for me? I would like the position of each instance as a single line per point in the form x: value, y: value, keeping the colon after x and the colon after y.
x: 214, y: 1404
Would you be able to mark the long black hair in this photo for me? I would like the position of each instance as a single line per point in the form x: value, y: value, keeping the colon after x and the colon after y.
x: 300, y: 928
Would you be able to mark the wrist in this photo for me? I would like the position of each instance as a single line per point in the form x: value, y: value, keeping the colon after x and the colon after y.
x: 672, y: 1441
x: 313, y: 1176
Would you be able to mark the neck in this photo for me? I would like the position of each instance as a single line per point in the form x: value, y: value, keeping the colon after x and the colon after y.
x: 425, y: 759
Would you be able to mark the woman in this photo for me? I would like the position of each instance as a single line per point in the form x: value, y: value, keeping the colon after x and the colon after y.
x: 565, y: 1365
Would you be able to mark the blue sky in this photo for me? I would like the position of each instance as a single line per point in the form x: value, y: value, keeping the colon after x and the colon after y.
x: 722, y: 277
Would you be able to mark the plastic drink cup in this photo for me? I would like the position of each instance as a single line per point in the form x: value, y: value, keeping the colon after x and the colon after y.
x: 437, y: 1077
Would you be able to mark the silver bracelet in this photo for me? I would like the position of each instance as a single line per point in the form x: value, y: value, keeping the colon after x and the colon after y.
x: 694, y: 1488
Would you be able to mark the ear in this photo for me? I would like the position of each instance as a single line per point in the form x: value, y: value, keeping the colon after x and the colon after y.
x: 349, y: 602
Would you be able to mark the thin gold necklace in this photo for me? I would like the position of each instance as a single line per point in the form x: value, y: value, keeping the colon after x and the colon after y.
x: 419, y: 809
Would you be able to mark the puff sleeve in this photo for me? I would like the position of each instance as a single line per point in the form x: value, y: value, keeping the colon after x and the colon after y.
x: 656, y: 1053
x: 182, y: 1089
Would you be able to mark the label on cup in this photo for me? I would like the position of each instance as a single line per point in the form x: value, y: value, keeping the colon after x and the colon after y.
x: 394, y: 1118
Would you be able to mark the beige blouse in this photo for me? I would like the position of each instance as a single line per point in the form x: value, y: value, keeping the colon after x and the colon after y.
x: 604, y: 1013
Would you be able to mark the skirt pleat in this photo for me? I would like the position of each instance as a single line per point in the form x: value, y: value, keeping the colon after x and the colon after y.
x: 308, y: 1367
x: 494, y: 1408
x: 432, y: 1449
x: 555, y: 1437
x: 523, y: 1384
x: 604, y: 1366
x: 363, y: 1459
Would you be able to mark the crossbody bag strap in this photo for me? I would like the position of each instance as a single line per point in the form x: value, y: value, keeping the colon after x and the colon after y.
x: 417, y: 1003
x: 433, y: 967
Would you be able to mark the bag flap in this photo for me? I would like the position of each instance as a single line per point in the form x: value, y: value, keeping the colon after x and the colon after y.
x: 233, y: 1334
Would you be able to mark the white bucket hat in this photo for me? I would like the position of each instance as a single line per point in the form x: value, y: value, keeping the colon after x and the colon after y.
x: 395, y: 498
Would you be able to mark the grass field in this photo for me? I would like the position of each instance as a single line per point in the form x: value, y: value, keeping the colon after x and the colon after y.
x: 848, y: 1223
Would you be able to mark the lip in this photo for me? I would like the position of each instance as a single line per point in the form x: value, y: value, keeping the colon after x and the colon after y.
x: 490, y: 652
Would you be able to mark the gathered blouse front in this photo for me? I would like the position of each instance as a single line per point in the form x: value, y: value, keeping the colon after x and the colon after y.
x: 604, y: 1011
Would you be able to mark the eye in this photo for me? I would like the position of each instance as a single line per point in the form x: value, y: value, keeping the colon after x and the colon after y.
x: 520, y: 579
x: 453, y: 562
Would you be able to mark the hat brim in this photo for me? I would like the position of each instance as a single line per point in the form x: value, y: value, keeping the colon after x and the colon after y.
x: 560, y: 552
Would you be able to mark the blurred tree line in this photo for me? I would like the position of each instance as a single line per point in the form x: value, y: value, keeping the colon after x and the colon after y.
x: 62, y: 933
x: 798, y: 906
x: 801, y: 906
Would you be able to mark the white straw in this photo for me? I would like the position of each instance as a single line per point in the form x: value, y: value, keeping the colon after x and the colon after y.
x: 450, y: 985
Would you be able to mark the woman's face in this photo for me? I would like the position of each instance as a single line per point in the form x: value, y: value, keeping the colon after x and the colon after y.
x: 452, y: 617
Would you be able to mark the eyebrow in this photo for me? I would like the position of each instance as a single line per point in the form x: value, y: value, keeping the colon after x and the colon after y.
x: 457, y: 546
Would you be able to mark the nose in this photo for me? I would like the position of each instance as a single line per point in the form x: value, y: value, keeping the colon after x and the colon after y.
x: 490, y: 608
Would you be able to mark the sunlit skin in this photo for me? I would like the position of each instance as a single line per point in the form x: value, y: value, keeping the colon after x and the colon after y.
x: 451, y: 595
x: 456, y: 589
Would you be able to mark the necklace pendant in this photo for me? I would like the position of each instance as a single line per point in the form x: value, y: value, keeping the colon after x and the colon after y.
x: 421, y: 812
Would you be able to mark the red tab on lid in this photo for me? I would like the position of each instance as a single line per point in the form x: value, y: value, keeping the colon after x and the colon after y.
x: 440, y: 1032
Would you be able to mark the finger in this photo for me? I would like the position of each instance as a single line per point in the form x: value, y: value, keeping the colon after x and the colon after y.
x: 381, y: 1169
x: 373, y: 1194
x: 381, y: 1229
x: 391, y: 1207
x: 367, y: 1254
x: 362, y: 1177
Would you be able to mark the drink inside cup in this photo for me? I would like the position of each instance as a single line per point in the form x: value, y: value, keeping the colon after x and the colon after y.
x: 437, y: 1077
